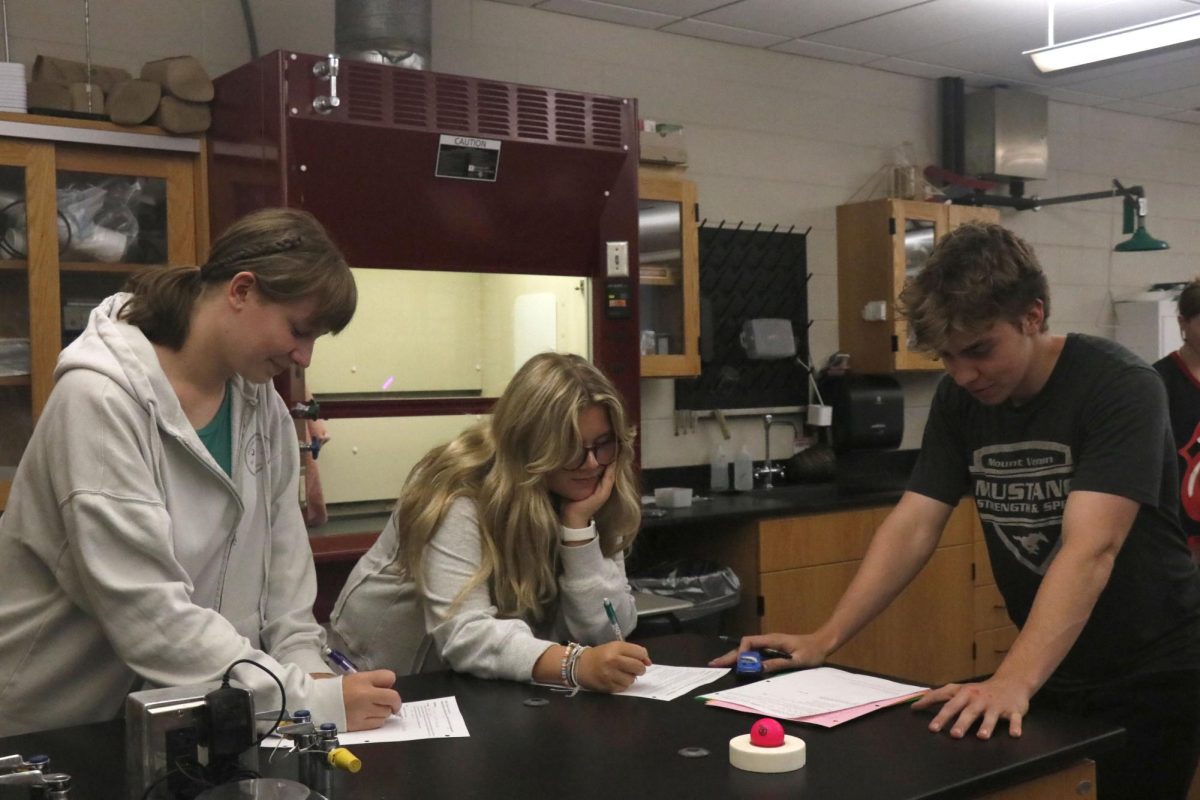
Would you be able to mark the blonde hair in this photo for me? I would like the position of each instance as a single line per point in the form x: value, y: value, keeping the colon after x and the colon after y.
x: 501, y: 464
x: 978, y: 274
x: 289, y: 253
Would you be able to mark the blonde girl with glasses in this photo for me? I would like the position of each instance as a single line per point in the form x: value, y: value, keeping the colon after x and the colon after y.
x: 507, y: 541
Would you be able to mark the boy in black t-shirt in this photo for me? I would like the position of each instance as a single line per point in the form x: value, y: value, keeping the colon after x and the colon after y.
x: 1065, y: 445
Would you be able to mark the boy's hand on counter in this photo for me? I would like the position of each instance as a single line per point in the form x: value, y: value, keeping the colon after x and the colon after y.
x: 987, y: 702
x: 791, y: 651
x: 369, y: 698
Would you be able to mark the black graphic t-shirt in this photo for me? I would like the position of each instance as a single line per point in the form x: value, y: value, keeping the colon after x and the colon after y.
x: 1098, y: 425
x: 1183, y: 400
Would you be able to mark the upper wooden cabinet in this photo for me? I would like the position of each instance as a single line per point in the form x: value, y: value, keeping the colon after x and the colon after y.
x: 668, y: 274
x: 82, y: 205
x: 881, y: 244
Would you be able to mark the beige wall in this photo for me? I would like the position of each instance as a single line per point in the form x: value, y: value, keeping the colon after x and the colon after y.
x: 772, y: 138
x: 775, y: 138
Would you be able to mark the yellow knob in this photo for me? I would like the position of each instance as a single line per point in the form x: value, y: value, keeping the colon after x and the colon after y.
x: 342, y: 758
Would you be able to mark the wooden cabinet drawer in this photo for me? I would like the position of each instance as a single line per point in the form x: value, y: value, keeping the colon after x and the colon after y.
x: 990, y: 610
x: 983, y: 564
x: 924, y: 635
x: 991, y: 647
x: 792, y: 542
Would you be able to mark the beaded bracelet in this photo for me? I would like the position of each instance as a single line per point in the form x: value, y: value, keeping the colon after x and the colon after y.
x: 565, y: 671
x: 573, y: 662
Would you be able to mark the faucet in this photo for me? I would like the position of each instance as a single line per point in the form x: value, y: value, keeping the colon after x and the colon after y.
x: 768, y: 471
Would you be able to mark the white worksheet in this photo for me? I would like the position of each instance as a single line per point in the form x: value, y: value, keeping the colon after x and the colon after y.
x: 807, y: 692
x: 420, y: 719
x: 661, y: 682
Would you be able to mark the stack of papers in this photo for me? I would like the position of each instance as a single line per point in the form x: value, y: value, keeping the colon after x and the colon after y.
x: 12, y: 86
x: 823, y: 696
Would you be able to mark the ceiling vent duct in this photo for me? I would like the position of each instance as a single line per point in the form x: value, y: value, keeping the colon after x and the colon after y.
x: 1005, y: 133
x: 392, y: 32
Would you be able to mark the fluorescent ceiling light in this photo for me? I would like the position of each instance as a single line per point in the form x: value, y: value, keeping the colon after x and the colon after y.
x: 1114, y: 44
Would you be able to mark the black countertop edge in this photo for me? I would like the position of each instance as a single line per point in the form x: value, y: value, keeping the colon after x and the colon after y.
x: 778, y: 502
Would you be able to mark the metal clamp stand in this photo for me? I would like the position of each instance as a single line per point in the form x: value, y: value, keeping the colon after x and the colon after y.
x: 34, y: 773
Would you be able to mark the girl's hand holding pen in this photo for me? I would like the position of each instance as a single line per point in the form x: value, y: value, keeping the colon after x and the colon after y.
x: 369, y: 698
x: 612, y: 667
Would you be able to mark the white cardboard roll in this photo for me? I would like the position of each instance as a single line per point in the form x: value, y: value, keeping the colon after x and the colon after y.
x: 789, y: 756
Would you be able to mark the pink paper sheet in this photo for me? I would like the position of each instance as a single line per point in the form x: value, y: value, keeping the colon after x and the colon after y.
x: 831, y: 718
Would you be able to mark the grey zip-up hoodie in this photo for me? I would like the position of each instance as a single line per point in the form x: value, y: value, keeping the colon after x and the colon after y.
x: 129, y: 559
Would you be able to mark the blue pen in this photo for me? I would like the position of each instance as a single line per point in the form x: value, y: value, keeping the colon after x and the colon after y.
x: 339, y: 660
x: 612, y: 619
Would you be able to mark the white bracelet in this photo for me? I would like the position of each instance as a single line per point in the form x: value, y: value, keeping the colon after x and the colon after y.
x: 570, y: 535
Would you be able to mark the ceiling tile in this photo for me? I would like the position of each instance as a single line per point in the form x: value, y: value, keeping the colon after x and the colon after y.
x: 918, y: 69
x: 981, y: 41
x: 1134, y: 78
x: 1188, y: 98
x: 931, y: 24
x: 1142, y: 109
x: 724, y: 33
x: 1092, y: 18
x: 1185, y: 116
x: 796, y: 19
x: 608, y: 13
x: 676, y: 8
x: 804, y: 47
x: 1076, y: 98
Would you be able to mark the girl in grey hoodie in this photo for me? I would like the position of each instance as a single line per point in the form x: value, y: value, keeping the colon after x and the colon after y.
x: 153, y: 534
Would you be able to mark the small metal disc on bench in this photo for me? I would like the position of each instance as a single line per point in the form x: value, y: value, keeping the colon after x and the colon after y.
x: 693, y: 752
x: 533, y: 702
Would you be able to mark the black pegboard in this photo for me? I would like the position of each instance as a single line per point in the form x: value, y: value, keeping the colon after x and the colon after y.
x: 746, y: 274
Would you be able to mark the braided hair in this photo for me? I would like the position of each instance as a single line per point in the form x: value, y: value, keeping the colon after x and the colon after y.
x: 288, y: 252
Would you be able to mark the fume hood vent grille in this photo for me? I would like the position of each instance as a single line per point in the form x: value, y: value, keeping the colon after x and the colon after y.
x: 494, y: 115
x: 364, y: 95
x: 408, y: 98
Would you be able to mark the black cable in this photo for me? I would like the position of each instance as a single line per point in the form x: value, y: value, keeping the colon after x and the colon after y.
x: 282, y: 694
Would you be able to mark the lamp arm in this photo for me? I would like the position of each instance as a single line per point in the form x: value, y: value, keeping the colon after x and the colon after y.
x: 1029, y: 203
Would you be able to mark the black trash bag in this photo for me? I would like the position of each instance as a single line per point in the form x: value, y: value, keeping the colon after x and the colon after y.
x: 707, y: 585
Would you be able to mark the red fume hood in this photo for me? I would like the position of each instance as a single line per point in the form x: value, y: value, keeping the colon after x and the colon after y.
x: 564, y: 184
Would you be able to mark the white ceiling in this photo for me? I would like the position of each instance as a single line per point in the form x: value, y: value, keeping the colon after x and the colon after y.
x: 980, y: 41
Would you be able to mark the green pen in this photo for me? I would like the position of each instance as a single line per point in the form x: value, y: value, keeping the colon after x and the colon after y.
x: 612, y: 619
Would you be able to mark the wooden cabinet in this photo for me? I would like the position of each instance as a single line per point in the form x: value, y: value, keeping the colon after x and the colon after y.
x: 994, y: 631
x: 794, y: 570
x: 668, y: 274
x: 924, y: 634
x: 82, y: 205
x: 881, y: 244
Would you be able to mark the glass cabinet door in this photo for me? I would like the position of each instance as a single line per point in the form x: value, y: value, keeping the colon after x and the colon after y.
x: 668, y: 275
x: 27, y: 286
x: 918, y: 226
x: 118, y: 212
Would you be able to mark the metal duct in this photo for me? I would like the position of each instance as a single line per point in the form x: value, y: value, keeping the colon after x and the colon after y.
x: 392, y: 32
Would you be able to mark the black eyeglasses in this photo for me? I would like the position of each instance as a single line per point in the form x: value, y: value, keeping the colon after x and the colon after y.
x: 605, y: 453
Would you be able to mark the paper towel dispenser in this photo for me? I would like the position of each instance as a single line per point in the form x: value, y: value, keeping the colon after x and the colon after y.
x: 868, y: 410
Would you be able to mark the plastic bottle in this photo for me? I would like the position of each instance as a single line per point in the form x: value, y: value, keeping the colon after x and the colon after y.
x: 719, y: 481
x: 743, y: 471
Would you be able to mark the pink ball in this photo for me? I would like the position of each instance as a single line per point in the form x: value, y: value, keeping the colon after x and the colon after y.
x: 766, y: 732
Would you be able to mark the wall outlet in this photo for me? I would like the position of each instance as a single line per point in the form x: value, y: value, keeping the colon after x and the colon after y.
x: 617, y: 259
